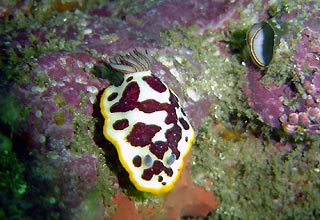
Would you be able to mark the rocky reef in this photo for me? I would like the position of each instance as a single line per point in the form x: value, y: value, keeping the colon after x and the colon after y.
x: 256, y: 154
x: 293, y: 101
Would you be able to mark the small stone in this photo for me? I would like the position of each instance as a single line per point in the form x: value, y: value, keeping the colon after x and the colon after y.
x: 293, y: 118
x: 304, y: 120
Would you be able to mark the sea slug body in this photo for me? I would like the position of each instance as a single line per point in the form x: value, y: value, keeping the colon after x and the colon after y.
x: 145, y: 122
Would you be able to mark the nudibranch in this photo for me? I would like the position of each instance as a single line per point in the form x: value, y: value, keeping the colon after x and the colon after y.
x: 144, y: 120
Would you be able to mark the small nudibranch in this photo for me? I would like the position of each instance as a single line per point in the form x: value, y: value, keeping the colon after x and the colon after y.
x: 260, y: 41
x: 145, y: 122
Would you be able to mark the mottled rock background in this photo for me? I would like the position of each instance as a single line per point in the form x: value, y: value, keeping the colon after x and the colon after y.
x: 256, y: 155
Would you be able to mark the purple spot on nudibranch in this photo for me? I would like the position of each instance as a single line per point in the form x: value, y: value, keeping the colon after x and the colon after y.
x: 155, y: 83
x: 172, y: 116
x: 173, y: 136
x: 182, y: 111
x: 151, y: 105
x: 112, y: 96
x: 174, y: 100
x: 156, y: 169
x: 129, y: 99
x: 142, y: 134
x: 137, y: 161
x: 120, y: 124
x: 159, y: 148
x: 129, y: 78
x: 184, y: 124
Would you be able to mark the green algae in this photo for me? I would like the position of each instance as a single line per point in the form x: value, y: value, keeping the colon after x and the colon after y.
x: 58, y: 118
x: 184, y: 37
x: 255, y: 180
x: 84, y: 144
x: 13, y: 186
x: 12, y: 113
x: 238, y: 45
x: 215, y: 74
x: 105, y: 72
x: 92, y: 203
x: 126, y: 7
x: 16, y: 59
x: 82, y: 124
x: 59, y: 100
x: 41, y: 80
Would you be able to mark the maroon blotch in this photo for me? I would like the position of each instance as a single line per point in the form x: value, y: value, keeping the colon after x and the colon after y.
x: 173, y: 136
x: 156, y: 169
x: 129, y: 99
x: 151, y: 105
x: 155, y: 83
x: 129, y: 78
x: 137, y: 161
x: 184, y: 124
x: 174, y: 100
x: 120, y: 124
x: 182, y: 111
x: 159, y: 148
x: 142, y: 134
x: 112, y: 96
x: 171, y: 116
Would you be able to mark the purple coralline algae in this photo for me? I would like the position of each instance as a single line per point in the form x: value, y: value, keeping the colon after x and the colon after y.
x: 84, y: 168
x: 60, y: 90
x: 294, y: 105
x: 204, y: 14
x: 305, y: 115
x: 58, y: 87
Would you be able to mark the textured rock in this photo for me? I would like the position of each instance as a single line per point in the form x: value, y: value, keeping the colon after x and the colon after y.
x: 58, y: 86
x: 294, y: 104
